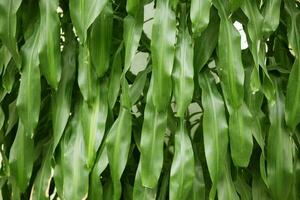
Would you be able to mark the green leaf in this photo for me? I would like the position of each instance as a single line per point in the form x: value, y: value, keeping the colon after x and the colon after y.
x: 152, y: 142
x: 5, y: 58
x: 162, y: 49
x: 240, y: 134
x: 118, y: 143
x: 199, y: 15
x: 243, y: 189
x: 9, y: 76
x: 141, y: 192
x: 279, y: 151
x: 93, y: 119
x: 87, y: 78
x: 29, y: 99
x: 182, y: 169
x: 206, y: 43
x: 293, y: 26
x: 8, y: 27
x: 199, y: 181
x: 183, y: 71
x: 42, y: 181
x: 229, y: 64
x: 292, y: 112
x: 83, y: 14
x: 21, y: 158
x: 225, y: 187
x: 133, y: 27
x: 50, y: 44
x: 61, y: 100
x: 215, y: 128
x: 235, y: 4
x: 114, y: 78
x: 95, y: 187
x: 100, y: 40
x: 271, y: 13
x: 2, y: 118
x: 72, y: 174
x: 137, y: 87
x: 259, y: 189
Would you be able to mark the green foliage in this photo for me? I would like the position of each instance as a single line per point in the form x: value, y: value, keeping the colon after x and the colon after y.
x: 201, y: 118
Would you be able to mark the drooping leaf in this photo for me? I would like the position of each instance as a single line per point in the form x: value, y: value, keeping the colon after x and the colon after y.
x: 9, y: 76
x: 83, y: 14
x: 114, y: 78
x: 141, y: 192
x: 229, y: 60
x: 183, y: 72
x: 199, y: 15
x: 206, y: 43
x: 226, y: 188
x: 87, y: 78
x: 163, y: 50
x: 50, y: 44
x: 100, y: 40
x: 118, y: 143
x: 133, y: 26
x: 8, y: 27
x: 182, y: 170
x: 279, y: 151
x: 21, y: 158
x: 138, y: 85
x: 240, y: 135
x: 152, y: 140
x: 292, y: 112
x: 95, y: 188
x: 93, y: 119
x: 271, y: 13
x: 29, y: 99
x: 215, y: 128
x: 61, y: 100
x: 40, y: 189
x: 72, y: 174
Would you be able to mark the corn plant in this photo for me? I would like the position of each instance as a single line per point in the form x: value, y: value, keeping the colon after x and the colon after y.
x: 213, y: 112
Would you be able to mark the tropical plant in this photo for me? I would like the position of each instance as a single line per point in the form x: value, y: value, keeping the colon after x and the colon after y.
x: 200, y: 118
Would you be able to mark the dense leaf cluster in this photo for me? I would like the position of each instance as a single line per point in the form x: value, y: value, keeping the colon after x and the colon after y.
x: 202, y: 119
